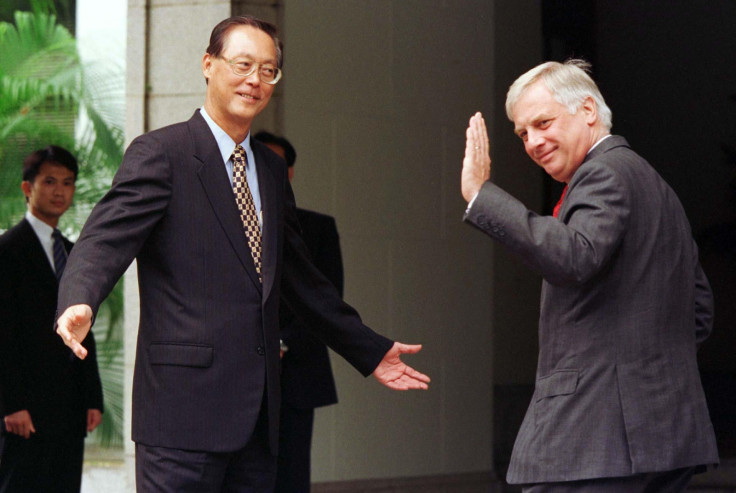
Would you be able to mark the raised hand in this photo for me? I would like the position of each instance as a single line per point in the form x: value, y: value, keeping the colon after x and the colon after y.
x: 73, y: 326
x: 394, y: 374
x: 477, y: 161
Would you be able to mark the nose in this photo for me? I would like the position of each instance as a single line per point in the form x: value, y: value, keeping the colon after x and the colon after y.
x: 534, y: 138
x: 255, y: 77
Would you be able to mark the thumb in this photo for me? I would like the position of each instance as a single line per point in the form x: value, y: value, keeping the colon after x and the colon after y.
x: 408, y: 348
x: 80, y: 314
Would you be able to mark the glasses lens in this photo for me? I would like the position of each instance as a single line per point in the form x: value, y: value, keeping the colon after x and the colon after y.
x: 267, y: 73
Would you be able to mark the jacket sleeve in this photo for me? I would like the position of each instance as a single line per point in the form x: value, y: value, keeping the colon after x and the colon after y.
x: 118, y: 225
x: 329, y: 257
x: 316, y: 301
x: 568, y: 250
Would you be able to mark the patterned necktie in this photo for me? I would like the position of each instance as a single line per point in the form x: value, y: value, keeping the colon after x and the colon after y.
x: 247, y: 208
x: 59, y: 254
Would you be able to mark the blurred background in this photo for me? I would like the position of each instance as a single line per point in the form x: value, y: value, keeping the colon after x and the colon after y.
x: 375, y: 97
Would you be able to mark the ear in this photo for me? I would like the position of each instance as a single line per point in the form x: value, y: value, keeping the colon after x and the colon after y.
x: 207, y: 65
x: 26, y: 187
x: 590, y: 110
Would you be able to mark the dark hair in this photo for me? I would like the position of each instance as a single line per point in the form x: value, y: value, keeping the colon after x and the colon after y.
x: 269, y: 138
x: 51, y: 154
x: 217, y: 37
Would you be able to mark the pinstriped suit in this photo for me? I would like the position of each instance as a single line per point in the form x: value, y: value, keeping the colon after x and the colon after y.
x: 624, y: 303
x: 208, y: 341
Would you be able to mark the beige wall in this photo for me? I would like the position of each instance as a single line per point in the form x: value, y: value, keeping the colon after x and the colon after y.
x: 518, y: 48
x: 376, y: 99
x: 376, y: 96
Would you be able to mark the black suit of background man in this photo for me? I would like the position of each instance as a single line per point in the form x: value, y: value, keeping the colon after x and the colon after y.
x: 48, y: 398
x: 306, y: 374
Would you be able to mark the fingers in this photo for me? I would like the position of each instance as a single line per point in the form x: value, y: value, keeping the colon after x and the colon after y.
x: 477, y: 162
x: 70, y: 340
x: 418, y: 376
x: 394, y: 374
x: 20, y: 423
x: 73, y: 326
x: 407, y: 382
x: 481, y: 144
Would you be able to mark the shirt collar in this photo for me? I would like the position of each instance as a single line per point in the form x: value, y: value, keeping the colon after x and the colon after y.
x: 225, y: 144
x: 596, y: 144
x: 42, y: 229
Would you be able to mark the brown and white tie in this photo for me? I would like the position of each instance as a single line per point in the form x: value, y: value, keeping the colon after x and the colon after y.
x: 247, y: 208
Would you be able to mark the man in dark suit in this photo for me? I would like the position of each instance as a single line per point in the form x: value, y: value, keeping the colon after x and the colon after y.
x: 306, y: 375
x: 49, y: 399
x: 618, y: 404
x: 210, y: 217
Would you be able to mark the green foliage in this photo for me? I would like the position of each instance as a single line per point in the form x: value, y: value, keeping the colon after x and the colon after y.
x: 48, y: 96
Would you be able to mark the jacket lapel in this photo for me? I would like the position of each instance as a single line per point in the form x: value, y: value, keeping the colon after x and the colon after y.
x: 269, y: 206
x: 38, y: 261
x: 213, y: 177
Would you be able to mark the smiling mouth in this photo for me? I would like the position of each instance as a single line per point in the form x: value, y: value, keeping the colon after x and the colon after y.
x: 546, y: 156
x: 248, y: 97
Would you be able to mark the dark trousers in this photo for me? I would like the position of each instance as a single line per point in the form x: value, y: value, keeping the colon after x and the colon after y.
x: 41, y: 464
x: 251, y: 469
x: 656, y: 482
x: 295, y: 449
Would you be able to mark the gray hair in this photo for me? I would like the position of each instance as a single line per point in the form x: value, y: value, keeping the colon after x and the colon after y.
x: 568, y: 82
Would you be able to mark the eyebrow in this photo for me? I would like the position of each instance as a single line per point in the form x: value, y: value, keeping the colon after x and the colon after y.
x: 253, y: 57
x: 534, y: 121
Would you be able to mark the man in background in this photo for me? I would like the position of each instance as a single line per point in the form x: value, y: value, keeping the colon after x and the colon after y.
x: 49, y: 399
x: 306, y: 375
x: 618, y: 404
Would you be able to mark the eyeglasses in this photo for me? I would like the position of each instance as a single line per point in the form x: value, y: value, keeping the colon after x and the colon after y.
x: 268, y: 73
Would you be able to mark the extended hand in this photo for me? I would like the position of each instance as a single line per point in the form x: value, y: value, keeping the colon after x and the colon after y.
x: 73, y: 326
x: 477, y: 161
x: 394, y: 374
x: 20, y: 423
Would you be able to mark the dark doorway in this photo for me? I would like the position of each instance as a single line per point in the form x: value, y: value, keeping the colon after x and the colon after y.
x: 666, y: 69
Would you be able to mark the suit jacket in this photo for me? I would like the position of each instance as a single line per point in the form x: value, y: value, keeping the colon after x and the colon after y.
x: 624, y: 303
x: 37, y: 371
x: 208, y: 340
x: 306, y: 374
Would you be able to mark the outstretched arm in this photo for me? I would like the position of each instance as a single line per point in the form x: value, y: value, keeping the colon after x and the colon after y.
x: 73, y: 326
x: 394, y: 374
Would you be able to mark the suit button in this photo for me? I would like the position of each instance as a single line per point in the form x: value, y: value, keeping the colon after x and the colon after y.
x: 260, y: 350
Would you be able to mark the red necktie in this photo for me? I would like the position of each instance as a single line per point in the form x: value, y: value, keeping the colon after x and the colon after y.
x: 556, y: 210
